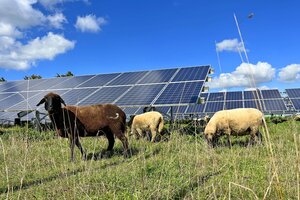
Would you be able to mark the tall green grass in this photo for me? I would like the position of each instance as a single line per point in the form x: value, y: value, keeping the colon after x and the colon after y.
x: 36, y: 166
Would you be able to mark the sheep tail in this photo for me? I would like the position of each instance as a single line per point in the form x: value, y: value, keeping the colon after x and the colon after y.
x: 161, y: 124
x: 116, y: 117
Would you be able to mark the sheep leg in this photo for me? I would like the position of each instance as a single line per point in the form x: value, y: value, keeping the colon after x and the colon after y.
x: 153, y: 135
x: 72, y: 145
x: 124, y: 141
x: 259, y: 137
x: 78, y: 144
x: 228, y: 132
x: 111, y: 141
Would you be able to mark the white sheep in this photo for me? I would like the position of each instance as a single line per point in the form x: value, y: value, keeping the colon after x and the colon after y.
x: 240, y: 121
x: 152, y: 121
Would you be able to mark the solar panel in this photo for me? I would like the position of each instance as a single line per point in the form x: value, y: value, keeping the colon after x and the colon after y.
x: 128, y: 78
x: 233, y: 104
x: 24, y: 85
x: 192, y: 74
x: 105, y: 95
x: 134, y: 97
x: 158, y: 76
x: 48, y: 83
x: 178, y: 109
x: 296, y: 103
x: 254, y: 94
x: 237, y: 95
x: 10, y: 101
x: 4, y: 95
x: 275, y: 105
x: 293, y: 93
x: 180, y: 93
x: 270, y: 94
x: 11, y: 84
x: 197, y: 108
x: 72, y: 82
x: 131, y: 110
x: 254, y: 104
x: 33, y: 99
x: 212, y: 107
x: 73, y: 97
x: 216, y: 96
x: 99, y: 80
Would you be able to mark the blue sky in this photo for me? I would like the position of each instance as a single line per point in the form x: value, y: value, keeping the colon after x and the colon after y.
x: 47, y: 37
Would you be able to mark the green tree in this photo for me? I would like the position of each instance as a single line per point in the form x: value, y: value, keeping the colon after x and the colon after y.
x: 2, y: 79
x: 69, y: 73
x: 33, y: 76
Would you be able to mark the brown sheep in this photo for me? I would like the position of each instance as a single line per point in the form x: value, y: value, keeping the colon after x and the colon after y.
x: 240, y: 121
x: 83, y: 121
x: 152, y: 121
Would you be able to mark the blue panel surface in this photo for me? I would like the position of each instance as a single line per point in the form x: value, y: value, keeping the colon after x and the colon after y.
x: 234, y: 96
x: 128, y: 78
x: 191, y: 74
x: 216, y: 96
x: 270, y: 94
x: 130, y: 111
x: 275, y: 105
x: 212, y: 107
x: 74, y: 96
x: 25, y: 85
x: 180, y: 93
x: 105, y: 95
x: 254, y: 104
x: 48, y: 83
x: 99, y: 80
x: 140, y: 95
x: 10, y: 101
x: 72, y: 82
x: 12, y: 84
x: 158, y: 76
x: 254, y: 94
x: 233, y: 104
x: 293, y: 93
x: 197, y: 108
x: 30, y: 100
x: 296, y: 103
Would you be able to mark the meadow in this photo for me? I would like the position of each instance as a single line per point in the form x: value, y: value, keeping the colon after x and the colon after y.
x: 36, y: 165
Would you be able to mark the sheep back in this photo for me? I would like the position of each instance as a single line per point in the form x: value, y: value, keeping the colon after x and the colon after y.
x: 238, y: 121
x: 96, y: 117
x: 148, y: 120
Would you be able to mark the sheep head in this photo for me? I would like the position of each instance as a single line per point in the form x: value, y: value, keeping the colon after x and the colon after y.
x: 52, y: 102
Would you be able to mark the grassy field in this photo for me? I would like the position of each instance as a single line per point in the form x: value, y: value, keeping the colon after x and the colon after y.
x: 36, y: 166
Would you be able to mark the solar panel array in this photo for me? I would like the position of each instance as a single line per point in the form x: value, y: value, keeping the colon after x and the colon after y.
x: 177, y: 86
x: 294, y: 96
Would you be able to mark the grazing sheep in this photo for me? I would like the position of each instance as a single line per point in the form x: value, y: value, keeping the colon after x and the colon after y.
x: 84, y: 121
x: 152, y: 121
x: 240, y: 121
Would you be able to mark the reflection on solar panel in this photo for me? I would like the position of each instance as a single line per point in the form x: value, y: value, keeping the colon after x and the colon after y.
x: 293, y: 93
x: 233, y: 104
x: 183, y: 93
x: 158, y: 76
x: 212, y: 107
x: 254, y: 94
x: 105, y: 95
x: 254, y: 104
x: 72, y: 82
x: 128, y: 78
x: 270, y: 94
x: 8, y: 85
x: 99, y: 80
x: 218, y: 96
x: 49, y: 83
x: 134, y: 97
x: 296, y: 103
x: 234, y: 96
x: 274, y: 105
x: 73, y: 97
x: 10, y: 101
x: 198, y: 108
x: 191, y: 73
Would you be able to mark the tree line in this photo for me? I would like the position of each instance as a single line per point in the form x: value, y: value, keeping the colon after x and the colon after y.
x: 35, y: 76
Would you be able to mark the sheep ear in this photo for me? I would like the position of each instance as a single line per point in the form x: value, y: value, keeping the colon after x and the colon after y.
x: 62, y: 101
x: 41, y: 102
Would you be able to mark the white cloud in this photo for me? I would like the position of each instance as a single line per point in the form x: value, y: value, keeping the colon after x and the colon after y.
x: 89, y: 23
x: 230, y: 45
x: 21, y: 57
x: 57, y: 20
x: 290, y: 73
x: 245, y: 75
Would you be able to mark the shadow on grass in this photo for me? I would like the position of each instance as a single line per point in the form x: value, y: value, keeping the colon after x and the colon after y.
x: 108, y: 154
x: 62, y: 175
x: 195, y: 182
